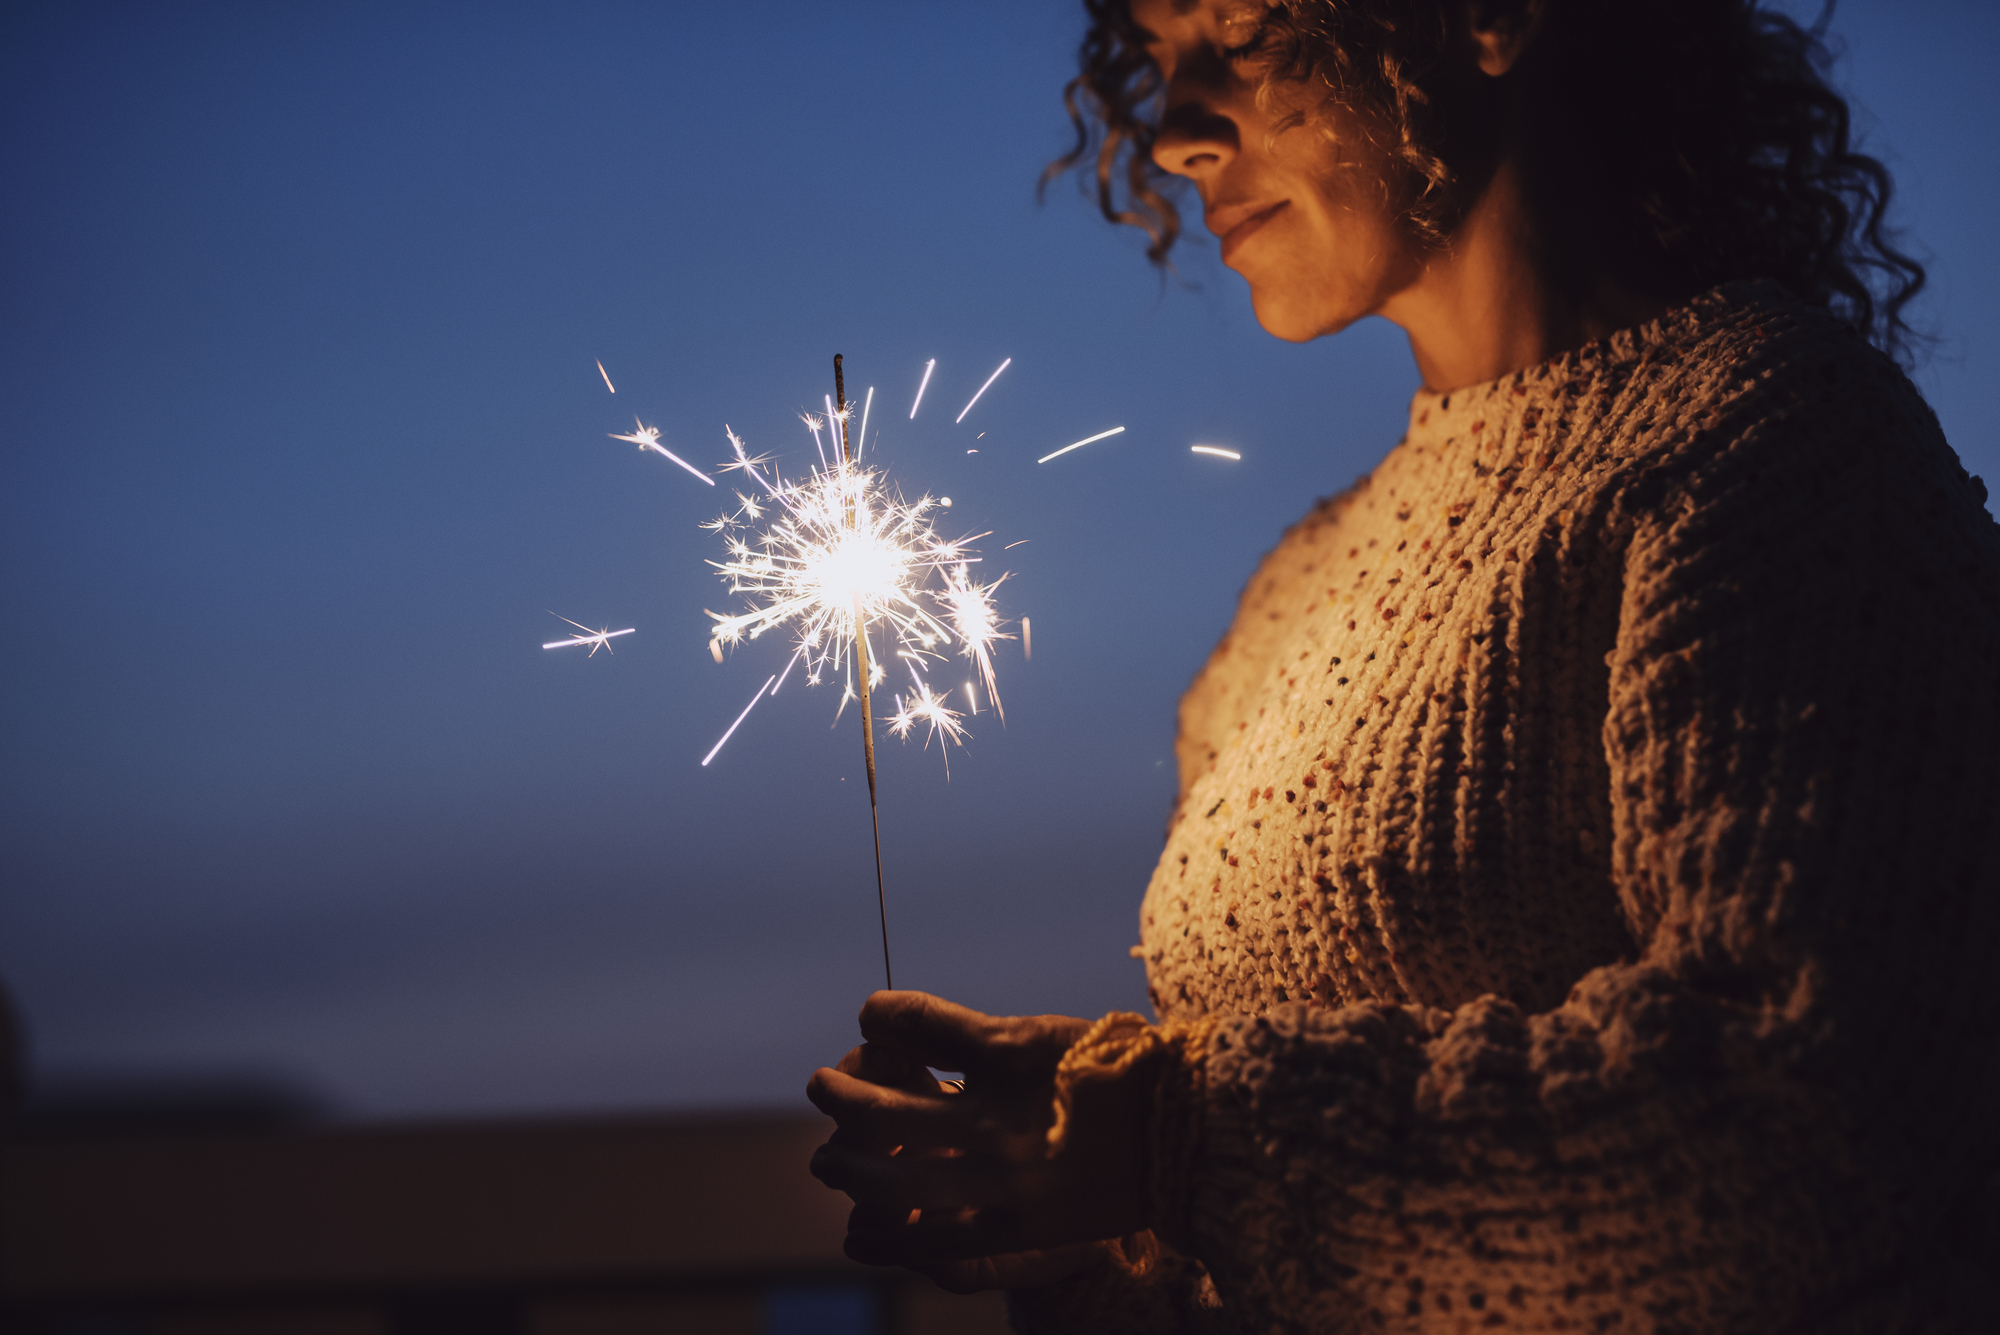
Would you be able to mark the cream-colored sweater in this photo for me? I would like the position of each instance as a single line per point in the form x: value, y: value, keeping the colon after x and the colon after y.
x: 1589, y: 836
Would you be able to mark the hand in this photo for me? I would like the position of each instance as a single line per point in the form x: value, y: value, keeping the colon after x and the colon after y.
x: 963, y: 1186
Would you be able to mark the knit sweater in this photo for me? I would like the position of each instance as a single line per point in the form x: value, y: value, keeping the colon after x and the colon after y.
x: 1585, y: 855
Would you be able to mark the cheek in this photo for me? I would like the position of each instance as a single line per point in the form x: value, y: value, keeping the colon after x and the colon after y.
x: 1329, y: 266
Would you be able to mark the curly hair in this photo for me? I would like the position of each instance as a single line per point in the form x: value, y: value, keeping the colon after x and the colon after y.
x: 1671, y: 146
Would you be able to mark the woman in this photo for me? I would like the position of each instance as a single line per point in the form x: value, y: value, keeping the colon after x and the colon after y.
x: 1572, y: 915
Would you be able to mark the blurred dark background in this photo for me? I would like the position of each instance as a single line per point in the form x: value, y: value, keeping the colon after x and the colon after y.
x: 304, y: 439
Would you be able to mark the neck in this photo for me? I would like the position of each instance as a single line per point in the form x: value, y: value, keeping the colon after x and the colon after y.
x: 1489, y: 303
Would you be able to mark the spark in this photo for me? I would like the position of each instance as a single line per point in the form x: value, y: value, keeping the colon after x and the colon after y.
x: 929, y: 366
x: 1027, y: 640
x: 739, y: 719
x: 866, y: 404
x: 812, y: 425
x: 972, y: 696
x: 982, y: 389
x: 926, y: 706
x: 1012, y: 545
x: 648, y: 438
x: 715, y: 650
x: 1215, y: 450
x: 607, y: 378
x: 1081, y: 443
x: 972, y: 616
x: 596, y: 639
x: 839, y: 554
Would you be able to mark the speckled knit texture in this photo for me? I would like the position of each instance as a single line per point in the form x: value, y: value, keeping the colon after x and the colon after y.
x: 1587, y: 833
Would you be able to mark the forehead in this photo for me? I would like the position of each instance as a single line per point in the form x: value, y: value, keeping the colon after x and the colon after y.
x: 1176, y: 22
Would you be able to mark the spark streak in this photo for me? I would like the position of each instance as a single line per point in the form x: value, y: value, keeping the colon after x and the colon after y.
x: 982, y: 389
x: 1215, y: 450
x: 607, y: 378
x: 1027, y: 640
x: 929, y: 366
x: 648, y: 438
x: 866, y: 404
x: 739, y: 719
x: 1081, y: 443
x: 596, y: 639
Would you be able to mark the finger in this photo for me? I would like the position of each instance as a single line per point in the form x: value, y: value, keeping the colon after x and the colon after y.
x: 882, y: 1065
x: 876, y: 1114
x: 940, y: 1033
x: 916, y: 1182
x: 868, y: 1215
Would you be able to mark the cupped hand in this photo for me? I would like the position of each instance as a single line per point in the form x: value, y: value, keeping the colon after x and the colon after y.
x: 963, y: 1185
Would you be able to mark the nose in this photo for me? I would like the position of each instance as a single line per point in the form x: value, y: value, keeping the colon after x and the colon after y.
x: 1194, y: 139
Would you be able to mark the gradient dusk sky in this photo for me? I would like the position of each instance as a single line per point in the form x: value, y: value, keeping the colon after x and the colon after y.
x: 304, y: 437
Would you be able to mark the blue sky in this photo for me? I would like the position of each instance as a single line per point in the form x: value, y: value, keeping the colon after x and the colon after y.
x: 304, y: 436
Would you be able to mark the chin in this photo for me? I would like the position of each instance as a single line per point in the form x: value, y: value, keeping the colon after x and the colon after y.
x: 1283, y: 316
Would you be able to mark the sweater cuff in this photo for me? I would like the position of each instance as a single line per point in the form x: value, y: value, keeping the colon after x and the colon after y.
x: 1179, y: 1052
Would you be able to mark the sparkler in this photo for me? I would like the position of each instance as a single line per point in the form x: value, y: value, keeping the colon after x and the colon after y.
x: 840, y: 555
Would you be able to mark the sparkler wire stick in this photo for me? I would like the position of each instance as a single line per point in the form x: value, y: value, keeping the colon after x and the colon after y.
x: 982, y: 389
x: 867, y: 717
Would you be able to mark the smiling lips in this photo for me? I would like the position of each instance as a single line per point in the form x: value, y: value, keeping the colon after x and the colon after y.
x: 1234, y: 237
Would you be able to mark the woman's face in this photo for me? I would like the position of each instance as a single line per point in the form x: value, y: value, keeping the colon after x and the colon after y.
x: 1304, y: 209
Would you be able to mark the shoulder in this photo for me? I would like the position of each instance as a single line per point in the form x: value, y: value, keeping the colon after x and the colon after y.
x: 1756, y: 391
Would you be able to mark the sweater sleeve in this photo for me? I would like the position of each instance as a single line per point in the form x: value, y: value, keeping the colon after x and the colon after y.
x: 1759, y: 1120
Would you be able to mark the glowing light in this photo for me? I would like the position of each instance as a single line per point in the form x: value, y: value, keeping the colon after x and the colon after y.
x: 596, y: 639
x: 739, y: 719
x: 1215, y: 450
x: 927, y: 707
x: 1087, y: 440
x: 1027, y: 640
x: 607, y: 378
x: 1012, y: 545
x: 648, y: 438
x: 929, y: 366
x: 866, y: 404
x: 841, y: 555
x: 982, y: 389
